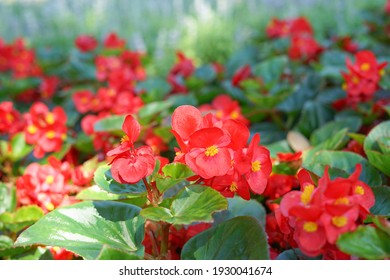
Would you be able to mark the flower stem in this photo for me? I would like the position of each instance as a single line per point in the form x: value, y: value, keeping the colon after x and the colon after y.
x: 164, y: 239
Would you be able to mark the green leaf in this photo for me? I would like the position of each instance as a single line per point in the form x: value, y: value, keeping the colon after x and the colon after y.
x: 19, y: 147
x: 158, y: 214
x: 96, y: 193
x: 241, y: 207
x: 22, y: 218
x: 279, y: 147
x: 5, y: 242
x: 314, y: 115
x: 156, y: 88
x: 341, y: 164
x: 84, y: 228
x: 153, y: 108
x: 205, y: 73
x: 104, y: 180
x: 111, y: 123
x: 241, y: 238
x: 295, y: 254
x: 174, y: 173
x: 271, y: 69
x: 7, y: 198
x: 108, y: 253
x: 382, y: 201
x: 326, y: 131
x: 375, y: 147
x: 192, y: 204
x: 365, y: 242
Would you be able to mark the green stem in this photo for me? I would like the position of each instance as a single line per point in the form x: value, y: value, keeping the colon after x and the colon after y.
x: 164, y: 239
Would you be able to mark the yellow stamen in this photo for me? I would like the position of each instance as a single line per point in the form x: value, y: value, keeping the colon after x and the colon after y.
x: 178, y: 153
x: 234, y: 115
x: 124, y: 139
x: 310, y: 226
x: 49, y: 179
x: 344, y: 86
x: 32, y: 129
x: 306, y: 194
x: 233, y: 187
x: 219, y: 114
x: 49, y: 206
x: 63, y: 136
x: 50, y: 118
x: 256, y: 166
x: 355, y: 80
x: 382, y: 72
x: 84, y: 100
x: 50, y: 134
x: 342, y: 201
x: 339, y: 221
x: 359, y: 190
x: 365, y: 67
x: 9, y: 117
x: 211, y: 151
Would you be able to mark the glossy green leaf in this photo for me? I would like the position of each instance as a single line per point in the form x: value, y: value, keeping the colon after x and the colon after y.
x: 313, y: 115
x: 341, y: 163
x: 153, y: 108
x: 104, y: 180
x: 241, y: 238
x: 155, y: 88
x: 174, y: 173
x: 7, y: 198
x: 382, y: 201
x: 5, y: 242
x: 271, y: 69
x: 19, y: 147
x: 96, y: 193
x: 375, y: 147
x: 108, y: 253
x: 158, y: 214
x: 365, y: 242
x: 84, y: 229
x: 23, y: 217
x: 328, y: 130
x: 241, y: 207
x: 192, y: 204
x: 110, y: 123
x: 295, y: 254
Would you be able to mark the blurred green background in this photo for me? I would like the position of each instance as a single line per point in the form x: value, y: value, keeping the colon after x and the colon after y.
x: 206, y: 30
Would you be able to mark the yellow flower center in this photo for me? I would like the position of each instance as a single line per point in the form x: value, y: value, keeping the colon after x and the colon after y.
x: 342, y: 201
x: 124, y: 139
x: 234, y: 115
x: 233, y: 187
x: 310, y: 226
x: 211, y: 151
x: 219, y: 114
x: 344, y: 86
x: 359, y: 190
x: 32, y: 129
x: 9, y: 117
x: 49, y: 206
x: 256, y: 166
x: 84, y: 100
x: 50, y: 134
x: 355, y: 80
x: 306, y: 194
x: 382, y: 72
x: 50, y: 118
x: 365, y: 67
x: 49, y: 179
x: 339, y: 221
